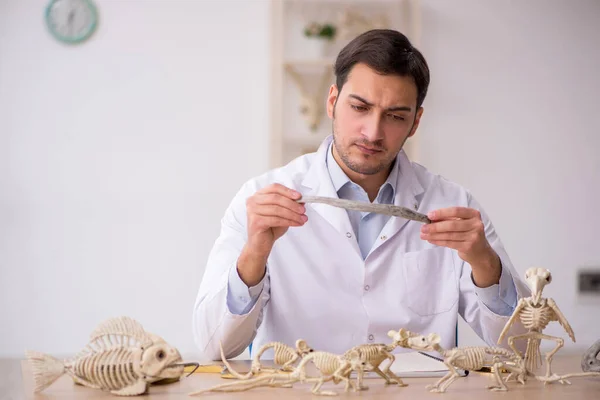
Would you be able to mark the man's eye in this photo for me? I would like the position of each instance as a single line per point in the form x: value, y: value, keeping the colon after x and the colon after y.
x: 396, y: 117
x: 358, y: 108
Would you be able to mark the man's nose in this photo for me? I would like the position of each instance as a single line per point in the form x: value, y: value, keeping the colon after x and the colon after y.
x: 372, y: 128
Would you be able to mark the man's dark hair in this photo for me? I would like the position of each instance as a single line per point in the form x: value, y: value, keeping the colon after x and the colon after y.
x: 388, y: 52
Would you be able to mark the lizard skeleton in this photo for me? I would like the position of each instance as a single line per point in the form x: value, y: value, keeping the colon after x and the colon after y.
x: 332, y: 367
x: 284, y: 355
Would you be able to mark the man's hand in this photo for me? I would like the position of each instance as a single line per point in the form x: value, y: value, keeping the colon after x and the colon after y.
x: 462, y: 229
x: 270, y: 212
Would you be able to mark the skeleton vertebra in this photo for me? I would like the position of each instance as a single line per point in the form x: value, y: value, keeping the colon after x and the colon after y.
x: 469, y: 358
x: 284, y: 355
x: 535, y: 313
x: 120, y: 358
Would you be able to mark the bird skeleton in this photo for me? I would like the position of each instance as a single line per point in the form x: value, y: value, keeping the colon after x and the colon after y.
x: 535, y: 313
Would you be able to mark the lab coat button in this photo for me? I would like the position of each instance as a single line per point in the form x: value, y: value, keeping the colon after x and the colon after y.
x: 383, y: 237
x: 371, y: 337
x: 367, y: 287
x: 348, y: 234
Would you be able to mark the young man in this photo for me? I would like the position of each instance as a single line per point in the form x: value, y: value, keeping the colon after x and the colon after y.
x: 281, y: 270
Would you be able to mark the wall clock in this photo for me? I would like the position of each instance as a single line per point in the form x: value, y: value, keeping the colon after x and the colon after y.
x: 71, y: 21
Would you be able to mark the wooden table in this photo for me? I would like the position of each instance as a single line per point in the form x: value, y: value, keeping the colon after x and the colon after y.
x: 16, y: 384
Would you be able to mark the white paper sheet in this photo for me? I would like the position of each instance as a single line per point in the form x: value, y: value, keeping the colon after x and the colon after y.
x: 414, y: 364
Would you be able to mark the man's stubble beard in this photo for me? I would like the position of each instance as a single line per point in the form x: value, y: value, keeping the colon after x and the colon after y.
x: 355, y: 167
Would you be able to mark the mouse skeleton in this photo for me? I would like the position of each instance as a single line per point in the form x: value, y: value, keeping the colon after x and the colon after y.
x: 470, y: 358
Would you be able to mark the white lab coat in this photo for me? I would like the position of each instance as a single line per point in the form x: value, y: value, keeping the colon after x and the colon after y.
x: 319, y: 288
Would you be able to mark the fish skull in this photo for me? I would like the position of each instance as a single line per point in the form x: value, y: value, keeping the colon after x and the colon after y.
x: 161, y: 361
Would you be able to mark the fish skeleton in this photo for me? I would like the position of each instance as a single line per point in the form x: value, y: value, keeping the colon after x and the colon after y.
x: 121, y: 358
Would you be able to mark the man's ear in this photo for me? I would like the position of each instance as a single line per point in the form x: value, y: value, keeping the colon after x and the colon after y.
x: 417, y: 121
x: 331, y: 100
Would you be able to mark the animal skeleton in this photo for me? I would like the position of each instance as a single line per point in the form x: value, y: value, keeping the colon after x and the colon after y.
x: 535, y: 313
x: 469, y: 358
x: 375, y: 354
x: 332, y: 367
x: 120, y: 358
x: 590, y: 361
x: 284, y: 355
x: 311, y: 105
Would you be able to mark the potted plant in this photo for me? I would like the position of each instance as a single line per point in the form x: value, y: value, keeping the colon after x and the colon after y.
x: 320, y: 37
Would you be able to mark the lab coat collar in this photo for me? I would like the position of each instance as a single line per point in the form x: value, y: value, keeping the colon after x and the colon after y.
x: 317, y: 182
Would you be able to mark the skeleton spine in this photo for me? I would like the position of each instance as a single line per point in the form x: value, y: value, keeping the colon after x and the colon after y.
x: 109, y: 369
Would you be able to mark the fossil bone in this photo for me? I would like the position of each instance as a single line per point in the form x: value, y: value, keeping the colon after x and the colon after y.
x: 590, y: 361
x: 120, y: 358
x: 535, y: 313
x: 387, y: 209
x: 470, y: 358
x: 284, y: 355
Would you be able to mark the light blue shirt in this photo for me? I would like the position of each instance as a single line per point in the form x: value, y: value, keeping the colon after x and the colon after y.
x: 500, y: 298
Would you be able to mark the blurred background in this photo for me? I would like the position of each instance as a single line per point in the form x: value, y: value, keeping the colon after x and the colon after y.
x: 120, y: 153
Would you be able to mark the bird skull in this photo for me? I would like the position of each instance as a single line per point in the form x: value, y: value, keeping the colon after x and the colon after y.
x: 537, y: 278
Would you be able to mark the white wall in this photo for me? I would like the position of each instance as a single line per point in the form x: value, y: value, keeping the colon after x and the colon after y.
x: 117, y: 160
x: 116, y: 157
x: 512, y: 114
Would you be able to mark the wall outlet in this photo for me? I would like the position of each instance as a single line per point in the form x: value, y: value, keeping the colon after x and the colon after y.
x: 589, y: 282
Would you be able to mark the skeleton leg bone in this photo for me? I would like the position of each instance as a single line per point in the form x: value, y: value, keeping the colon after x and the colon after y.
x: 501, y: 386
x: 454, y: 376
x: 391, y: 377
x: 559, y: 344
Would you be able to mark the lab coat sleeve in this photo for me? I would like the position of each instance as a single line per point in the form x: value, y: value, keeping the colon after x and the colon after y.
x: 500, y: 298
x: 487, y: 323
x: 216, y: 320
x: 241, y: 298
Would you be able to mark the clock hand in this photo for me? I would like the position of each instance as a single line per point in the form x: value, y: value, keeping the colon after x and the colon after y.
x: 70, y: 21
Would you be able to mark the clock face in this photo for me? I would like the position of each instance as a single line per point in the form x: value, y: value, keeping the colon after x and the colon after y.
x: 71, y: 21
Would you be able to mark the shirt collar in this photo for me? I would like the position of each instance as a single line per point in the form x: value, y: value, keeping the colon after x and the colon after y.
x: 340, y: 179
